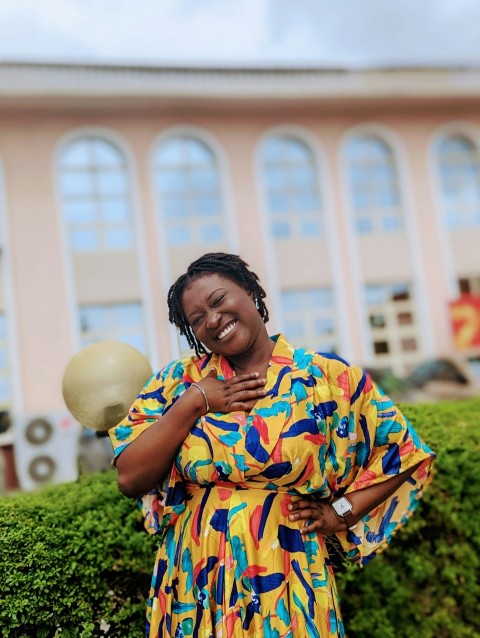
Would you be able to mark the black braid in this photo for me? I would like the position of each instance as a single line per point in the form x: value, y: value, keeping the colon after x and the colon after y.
x: 229, y: 266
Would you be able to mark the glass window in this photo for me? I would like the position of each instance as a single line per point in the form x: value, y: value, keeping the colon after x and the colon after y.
x: 378, y: 321
x: 120, y: 322
x: 111, y: 183
x: 84, y: 240
x: 178, y: 236
x: 291, y: 300
x: 79, y: 212
x: 469, y: 285
x: 183, y: 347
x: 393, y: 329
x: 94, y: 187
x: 211, y: 233
x: 294, y: 330
x: 409, y: 344
x: 381, y: 347
x: 188, y: 186
x: 459, y: 171
x: 404, y: 318
x: 114, y: 211
x: 281, y: 230
x: 291, y: 184
x: 309, y: 318
x: 373, y: 183
x: 400, y: 292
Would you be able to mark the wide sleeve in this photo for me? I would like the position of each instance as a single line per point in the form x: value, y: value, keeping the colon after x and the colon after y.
x: 158, y: 395
x: 370, y: 442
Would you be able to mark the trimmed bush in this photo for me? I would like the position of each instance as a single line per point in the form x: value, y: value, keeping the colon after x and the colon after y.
x: 75, y: 561
x: 426, y: 584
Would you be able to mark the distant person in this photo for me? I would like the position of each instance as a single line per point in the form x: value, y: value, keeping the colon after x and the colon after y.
x: 261, y: 451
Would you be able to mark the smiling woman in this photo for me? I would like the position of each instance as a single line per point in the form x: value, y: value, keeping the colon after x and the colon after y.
x: 251, y: 454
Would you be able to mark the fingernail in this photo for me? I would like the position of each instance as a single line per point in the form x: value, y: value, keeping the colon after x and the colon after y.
x: 257, y: 374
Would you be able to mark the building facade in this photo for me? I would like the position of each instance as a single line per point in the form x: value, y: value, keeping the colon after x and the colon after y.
x: 355, y: 196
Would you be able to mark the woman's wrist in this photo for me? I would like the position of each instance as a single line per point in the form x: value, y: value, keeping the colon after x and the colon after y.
x: 342, y: 523
x: 198, y: 400
x: 198, y: 387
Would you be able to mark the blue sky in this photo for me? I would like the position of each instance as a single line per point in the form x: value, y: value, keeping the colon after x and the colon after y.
x: 345, y: 33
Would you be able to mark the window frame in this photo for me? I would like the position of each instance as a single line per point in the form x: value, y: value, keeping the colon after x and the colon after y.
x: 293, y: 219
x: 462, y: 216
x: 192, y: 220
x: 93, y: 198
x: 307, y: 315
x: 370, y: 220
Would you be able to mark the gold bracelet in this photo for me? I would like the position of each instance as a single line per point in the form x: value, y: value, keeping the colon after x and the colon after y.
x: 199, y: 387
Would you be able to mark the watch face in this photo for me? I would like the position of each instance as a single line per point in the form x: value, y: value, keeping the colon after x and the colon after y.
x: 342, y: 506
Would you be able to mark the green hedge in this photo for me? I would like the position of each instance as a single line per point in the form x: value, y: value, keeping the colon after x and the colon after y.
x: 75, y: 561
x: 426, y: 584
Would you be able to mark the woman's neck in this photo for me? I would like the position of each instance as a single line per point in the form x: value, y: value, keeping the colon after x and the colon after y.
x: 255, y: 361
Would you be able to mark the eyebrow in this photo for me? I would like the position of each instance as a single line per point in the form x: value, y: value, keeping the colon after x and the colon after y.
x: 214, y: 292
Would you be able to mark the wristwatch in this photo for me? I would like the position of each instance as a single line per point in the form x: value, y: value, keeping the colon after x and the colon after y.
x: 343, y: 508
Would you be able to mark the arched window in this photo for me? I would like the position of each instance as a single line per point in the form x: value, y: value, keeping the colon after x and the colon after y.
x: 291, y: 185
x: 119, y: 321
x: 373, y: 183
x: 95, y: 195
x: 459, y: 170
x: 188, y: 186
x: 309, y: 318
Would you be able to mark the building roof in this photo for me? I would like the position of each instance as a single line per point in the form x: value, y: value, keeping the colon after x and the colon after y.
x: 67, y: 84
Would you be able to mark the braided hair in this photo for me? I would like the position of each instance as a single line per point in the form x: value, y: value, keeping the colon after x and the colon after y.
x: 229, y: 266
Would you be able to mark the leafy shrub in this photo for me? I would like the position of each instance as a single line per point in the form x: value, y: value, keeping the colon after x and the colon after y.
x: 75, y: 562
x: 426, y: 583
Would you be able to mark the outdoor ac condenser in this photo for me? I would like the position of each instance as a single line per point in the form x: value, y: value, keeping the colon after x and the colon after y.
x: 46, y: 449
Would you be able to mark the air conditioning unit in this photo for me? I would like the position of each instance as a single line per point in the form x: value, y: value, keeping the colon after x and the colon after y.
x: 46, y: 449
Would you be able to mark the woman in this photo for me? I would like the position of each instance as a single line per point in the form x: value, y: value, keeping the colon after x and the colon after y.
x: 261, y: 450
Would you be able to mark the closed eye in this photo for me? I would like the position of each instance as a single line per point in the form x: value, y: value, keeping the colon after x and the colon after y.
x: 218, y: 300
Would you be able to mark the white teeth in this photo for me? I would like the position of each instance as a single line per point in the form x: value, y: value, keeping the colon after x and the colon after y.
x: 227, y: 330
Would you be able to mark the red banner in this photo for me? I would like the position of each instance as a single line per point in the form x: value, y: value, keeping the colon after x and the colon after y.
x: 465, y: 317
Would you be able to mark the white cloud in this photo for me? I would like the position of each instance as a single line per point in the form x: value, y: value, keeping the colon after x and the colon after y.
x: 367, y: 32
x: 329, y: 32
x: 131, y: 30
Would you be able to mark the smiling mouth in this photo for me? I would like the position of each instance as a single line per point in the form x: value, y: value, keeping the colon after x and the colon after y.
x: 227, y: 330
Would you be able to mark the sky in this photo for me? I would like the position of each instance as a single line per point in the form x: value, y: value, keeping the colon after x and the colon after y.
x: 319, y: 33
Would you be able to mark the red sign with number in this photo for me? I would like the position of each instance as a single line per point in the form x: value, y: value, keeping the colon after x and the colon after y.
x: 465, y: 316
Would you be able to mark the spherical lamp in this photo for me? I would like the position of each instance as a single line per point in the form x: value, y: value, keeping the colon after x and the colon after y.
x: 101, y: 381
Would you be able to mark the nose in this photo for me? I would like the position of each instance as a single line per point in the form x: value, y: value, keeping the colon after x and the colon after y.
x: 213, y: 319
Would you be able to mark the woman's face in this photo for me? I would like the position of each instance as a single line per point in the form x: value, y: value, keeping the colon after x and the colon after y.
x: 222, y: 315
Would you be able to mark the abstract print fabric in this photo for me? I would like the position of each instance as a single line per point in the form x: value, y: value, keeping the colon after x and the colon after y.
x: 230, y: 562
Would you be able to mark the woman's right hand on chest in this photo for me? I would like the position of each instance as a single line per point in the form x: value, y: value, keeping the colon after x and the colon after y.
x: 238, y: 393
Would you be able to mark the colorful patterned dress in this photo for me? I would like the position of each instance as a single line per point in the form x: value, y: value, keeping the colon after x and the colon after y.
x: 230, y: 563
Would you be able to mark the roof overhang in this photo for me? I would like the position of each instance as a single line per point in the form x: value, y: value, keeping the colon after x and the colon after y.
x: 35, y: 85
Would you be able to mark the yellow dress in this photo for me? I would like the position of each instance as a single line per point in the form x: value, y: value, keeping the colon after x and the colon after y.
x: 230, y: 563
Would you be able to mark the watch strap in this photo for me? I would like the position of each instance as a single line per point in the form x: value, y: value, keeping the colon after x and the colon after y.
x: 349, y: 520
